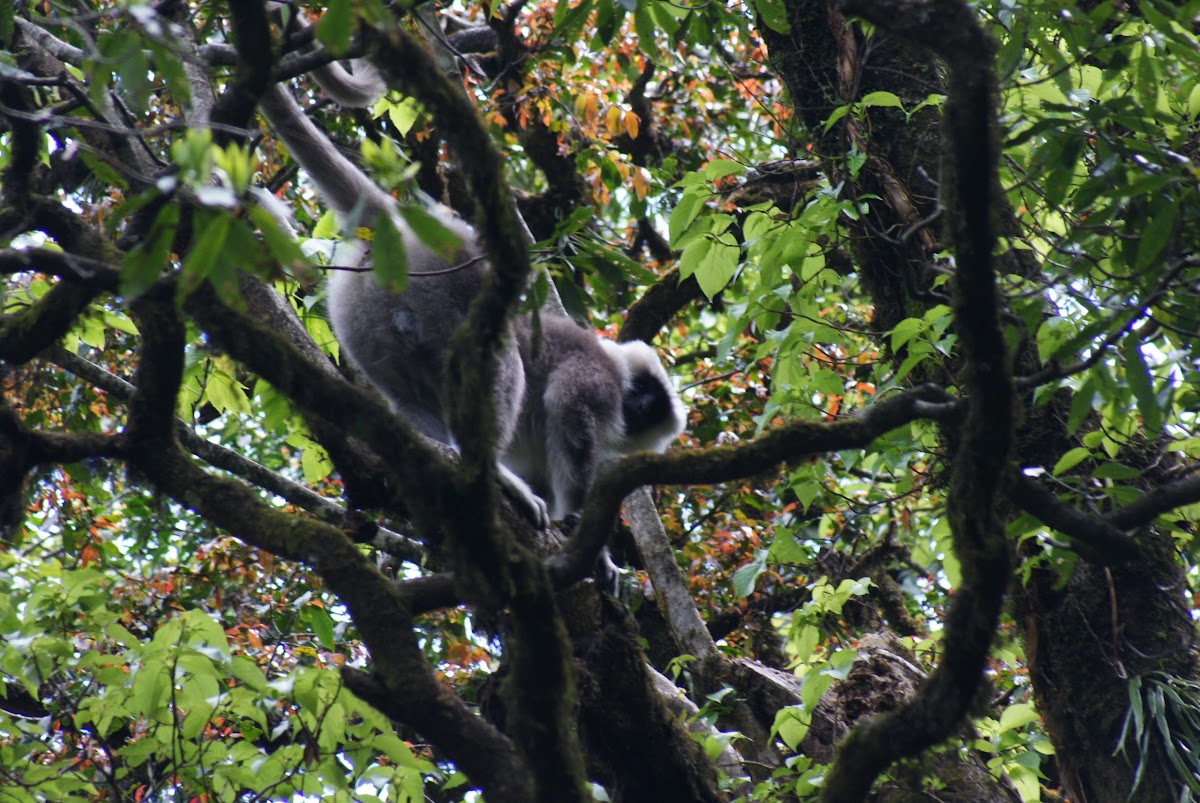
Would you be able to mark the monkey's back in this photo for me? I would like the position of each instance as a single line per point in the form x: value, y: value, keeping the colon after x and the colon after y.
x: 399, y: 340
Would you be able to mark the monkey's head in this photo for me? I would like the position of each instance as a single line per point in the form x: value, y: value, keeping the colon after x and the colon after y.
x: 652, y: 412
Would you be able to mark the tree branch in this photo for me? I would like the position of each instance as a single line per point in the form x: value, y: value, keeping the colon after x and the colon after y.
x: 1154, y: 503
x: 1094, y: 537
x: 25, y: 333
x: 252, y: 74
x: 229, y: 460
x: 949, y: 28
x: 788, y: 443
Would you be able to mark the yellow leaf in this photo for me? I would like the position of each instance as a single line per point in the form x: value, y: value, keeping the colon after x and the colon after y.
x: 612, y: 120
x: 632, y: 124
x: 586, y: 109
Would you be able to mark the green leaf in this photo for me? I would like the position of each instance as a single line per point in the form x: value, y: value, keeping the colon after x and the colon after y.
x: 774, y: 14
x: 404, y: 115
x: 336, y: 25
x: 720, y: 168
x: 786, y: 548
x: 326, y: 227
x: 1081, y: 405
x: 834, y: 116
x: 142, y: 265
x: 746, y: 576
x: 1016, y: 716
x: 120, y: 322
x: 281, y: 244
x: 6, y: 21
x: 569, y: 20
x: 713, y: 260
x: 432, y: 232
x: 1072, y: 458
x: 1155, y: 235
x: 150, y: 687
x: 806, y: 641
x: 248, y: 673
x: 791, y: 725
x: 208, y: 244
x: 881, y: 99
x: 1137, y: 373
x: 223, y: 389
x: 388, y: 256
x: 203, y: 629
x: 905, y: 331
x: 1052, y: 334
x: 322, y: 625
x: 690, y: 204
x: 643, y: 24
x: 816, y: 683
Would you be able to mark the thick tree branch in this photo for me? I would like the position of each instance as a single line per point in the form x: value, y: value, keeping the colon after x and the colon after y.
x: 670, y: 586
x: 540, y: 688
x: 788, y: 443
x: 1094, y: 537
x: 1152, y: 504
x: 658, y: 305
x: 152, y: 407
x: 87, y: 271
x: 229, y: 460
x: 25, y: 333
x: 252, y: 75
x: 949, y: 28
x: 22, y: 449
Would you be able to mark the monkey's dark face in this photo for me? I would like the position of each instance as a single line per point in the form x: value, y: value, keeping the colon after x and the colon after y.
x: 646, y: 406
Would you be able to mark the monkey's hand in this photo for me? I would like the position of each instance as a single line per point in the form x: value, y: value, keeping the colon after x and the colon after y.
x: 530, y: 503
x: 606, y: 573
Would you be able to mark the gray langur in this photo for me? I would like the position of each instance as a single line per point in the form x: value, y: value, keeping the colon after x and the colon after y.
x: 565, y: 399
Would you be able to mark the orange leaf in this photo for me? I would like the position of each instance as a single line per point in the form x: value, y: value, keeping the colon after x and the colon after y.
x: 254, y: 640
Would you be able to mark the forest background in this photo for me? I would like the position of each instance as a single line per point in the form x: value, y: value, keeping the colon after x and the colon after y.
x: 925, y: 272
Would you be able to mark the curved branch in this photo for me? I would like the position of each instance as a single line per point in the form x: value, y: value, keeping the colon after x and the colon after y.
x: 94, y: 273
x: 949, y: 28
x: 788, y: 443
x: 658, y: 305
x: 252, y: 76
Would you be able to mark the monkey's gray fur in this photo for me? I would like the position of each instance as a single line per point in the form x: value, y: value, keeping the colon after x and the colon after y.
x: 565, y: 401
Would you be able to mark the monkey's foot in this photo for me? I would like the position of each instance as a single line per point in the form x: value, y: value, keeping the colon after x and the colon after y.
x: 532, y: 505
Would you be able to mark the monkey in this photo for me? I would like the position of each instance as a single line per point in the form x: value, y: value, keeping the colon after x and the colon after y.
x: 565, y: 399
